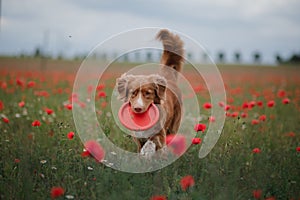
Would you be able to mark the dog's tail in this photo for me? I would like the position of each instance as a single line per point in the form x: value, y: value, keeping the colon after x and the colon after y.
x: 173, y: 49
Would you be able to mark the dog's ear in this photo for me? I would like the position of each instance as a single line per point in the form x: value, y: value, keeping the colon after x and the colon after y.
x: 122, y: 86
x: 160, y: 88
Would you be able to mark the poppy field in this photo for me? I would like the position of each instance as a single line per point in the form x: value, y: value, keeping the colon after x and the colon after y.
x: 42, y: 157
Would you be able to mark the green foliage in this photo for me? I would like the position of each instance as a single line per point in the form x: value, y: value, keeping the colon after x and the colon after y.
x: 48, y: 158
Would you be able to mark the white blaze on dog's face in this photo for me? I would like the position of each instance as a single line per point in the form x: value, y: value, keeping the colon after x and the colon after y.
x: 140, y: 101
x: 142, y: 97
x: 141, y: 91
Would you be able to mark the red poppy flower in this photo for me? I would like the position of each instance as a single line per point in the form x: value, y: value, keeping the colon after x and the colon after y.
x: 256, y: 150
x: 100, y: 87
x: 42, y: 93
x: 59, y: 90
x: 57, y: 192
x: 48, y: 111
x: 69, y: 106
x: 30, y: 84
x: 5, y: 120
x: 81, y: 104
x: 244, y: 115
x: 36, y: 123
x: 234, y: 114
x: 21, y: 104
x: 286, y: 101
x: 4, y: 85
x: 102, y: 94
x: 298, y: 149
x: 262, y: 118
x: 90, y: 89
x: 291, y: 134
x: 196, y: 140
x: 257, y: 194
x: 228, y: 114
x: 271, y: 103
x: 200, y: 127
x: 71, y: 135
x: 221, y: 104
x: 104, y: 104
x: 198, y: 88
x: 281, y: 93
x: 259, y: 103
x: 207, y: 105
x: 176, y: 143
x: 73, y: 98
x: 186, y: 182
x: 245, y: 105
x: 227, y: 107
x: 1, y: 105
x: 159, y: 197
x: 85, y: 153
x: 20, y: 82
x: 254, y: 122
x: 17, y: 160
x: 95, y: 150
x: 251, y: 104
x: 212, y: 119
x: 230, y: 100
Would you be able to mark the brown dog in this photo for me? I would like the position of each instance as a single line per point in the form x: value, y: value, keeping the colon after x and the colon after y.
x: 161, y: 89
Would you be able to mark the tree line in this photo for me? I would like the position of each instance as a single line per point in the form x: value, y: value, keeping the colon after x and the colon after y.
x: 148, y: 56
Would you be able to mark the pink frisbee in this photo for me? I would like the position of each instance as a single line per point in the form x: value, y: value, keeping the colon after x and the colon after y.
x: 138, y: 121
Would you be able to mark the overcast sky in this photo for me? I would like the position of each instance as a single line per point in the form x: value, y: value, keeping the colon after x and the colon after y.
x: 76, y: 26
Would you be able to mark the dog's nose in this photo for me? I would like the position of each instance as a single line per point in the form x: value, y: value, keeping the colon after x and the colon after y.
x: 137, y: 109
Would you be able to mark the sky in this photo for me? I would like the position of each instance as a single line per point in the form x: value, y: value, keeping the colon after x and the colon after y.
x: 72, y: 27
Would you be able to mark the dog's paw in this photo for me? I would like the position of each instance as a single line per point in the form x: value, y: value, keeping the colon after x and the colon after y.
x: 148, y: 149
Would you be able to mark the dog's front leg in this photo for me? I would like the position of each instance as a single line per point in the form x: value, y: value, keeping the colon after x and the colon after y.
x: 159, y: 139
x: 138, y: 144
x: 148, y: 149
x: 153, y: 144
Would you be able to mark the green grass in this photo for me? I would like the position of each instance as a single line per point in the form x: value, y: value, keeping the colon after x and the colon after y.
x: 230, y: 171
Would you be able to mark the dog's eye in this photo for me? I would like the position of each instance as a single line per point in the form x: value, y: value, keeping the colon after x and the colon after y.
x: 133, y: 94
x: 147, y: 93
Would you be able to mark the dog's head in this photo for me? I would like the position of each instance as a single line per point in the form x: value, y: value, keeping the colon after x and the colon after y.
x: 141, y: 90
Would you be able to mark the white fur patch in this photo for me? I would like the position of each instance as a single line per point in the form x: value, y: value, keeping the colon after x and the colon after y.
x: 140, y: 100
x: 148, y: 149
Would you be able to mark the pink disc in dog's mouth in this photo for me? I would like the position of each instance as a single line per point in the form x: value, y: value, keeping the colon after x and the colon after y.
x: 138, y: 121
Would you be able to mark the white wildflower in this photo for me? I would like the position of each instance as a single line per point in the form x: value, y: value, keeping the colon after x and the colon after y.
x: 69, y: 197
x: 43, y: 161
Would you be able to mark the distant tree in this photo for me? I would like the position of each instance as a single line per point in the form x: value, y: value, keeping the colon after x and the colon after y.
x: 60, y: 56
x: 204, y: 56
x: 103, y: 56
x: 189, y: 55
x: 237, y: 57
x: 221, y: 57
x: 125, y: 57
x: 94, y: 56
x: 137, y: 56
x: 37, y: 53
x: 295, y: 58
x: 149, y: 56
x: 22, y: 55
x: 256, y: 57
x: 278, y: 59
